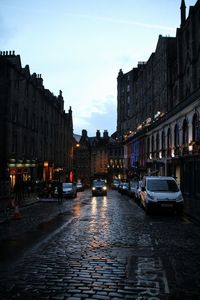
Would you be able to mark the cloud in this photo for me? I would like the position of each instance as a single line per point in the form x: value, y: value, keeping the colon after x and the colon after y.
x: 100, y: 114
x: 43, y: 11
x: 122, y: 21
x: 98, y: 106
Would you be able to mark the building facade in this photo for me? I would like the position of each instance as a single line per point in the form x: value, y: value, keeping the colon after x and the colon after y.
x: 36, y: 133
x: 98, y: 157
x: 82, y: 158
x: 164, y: 138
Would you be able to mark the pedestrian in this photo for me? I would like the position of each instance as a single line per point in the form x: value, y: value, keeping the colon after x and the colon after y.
x: 18, y: 196
x: 60, y: 192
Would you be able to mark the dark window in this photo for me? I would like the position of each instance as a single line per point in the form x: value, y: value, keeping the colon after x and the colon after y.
x: 185, y: 132
x: 195, y: 129
x: 163, y: 144
x: 152, y: 146
x: 157, y: 145
x: 176, y: 136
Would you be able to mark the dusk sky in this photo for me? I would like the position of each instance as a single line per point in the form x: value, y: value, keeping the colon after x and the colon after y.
x: 79, y: 47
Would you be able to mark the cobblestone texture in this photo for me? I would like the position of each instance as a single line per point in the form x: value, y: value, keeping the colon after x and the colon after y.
x: 110, y: 250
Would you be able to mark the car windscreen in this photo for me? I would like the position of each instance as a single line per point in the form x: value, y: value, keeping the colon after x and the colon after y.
x: 99, y: 184
x: 67, y: 185
x: 167, y: 185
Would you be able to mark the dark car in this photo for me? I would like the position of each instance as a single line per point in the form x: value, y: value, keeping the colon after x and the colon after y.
x: 124, y: 188
x: 99, y: 188
x: 115, y: 184
x: 80, y: 187
x: 133, y: 188
x: 69, y: 190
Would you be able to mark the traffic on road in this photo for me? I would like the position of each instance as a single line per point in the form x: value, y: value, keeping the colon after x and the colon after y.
x: 99, y: 247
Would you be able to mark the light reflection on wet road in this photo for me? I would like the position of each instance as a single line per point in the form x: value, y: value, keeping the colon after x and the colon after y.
x: 110, y: 250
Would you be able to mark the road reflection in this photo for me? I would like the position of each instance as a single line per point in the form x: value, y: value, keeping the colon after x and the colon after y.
x: 77, y: 209
x: 99, y: 223
x: 94, y: 205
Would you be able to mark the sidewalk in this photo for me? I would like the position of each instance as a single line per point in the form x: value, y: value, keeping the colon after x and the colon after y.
x: 192, y: 208
x: 7, y: 213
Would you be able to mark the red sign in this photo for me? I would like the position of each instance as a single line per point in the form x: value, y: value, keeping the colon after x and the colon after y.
x: 71, y: 176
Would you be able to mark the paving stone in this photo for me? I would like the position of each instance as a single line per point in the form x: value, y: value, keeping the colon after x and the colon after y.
x: 112, y: 252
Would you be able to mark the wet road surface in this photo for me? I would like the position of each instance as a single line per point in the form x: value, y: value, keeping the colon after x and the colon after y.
x: 109, y: 249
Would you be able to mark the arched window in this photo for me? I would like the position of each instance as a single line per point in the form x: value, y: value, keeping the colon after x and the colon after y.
x: 169, y: 142
x: 176, y: 140
x: 195, y: 129
x: 148, y: 147
x: 157, y: 145
x: 195, y: 133
x: 185, y: 132
x: 163, y: 144
x: 152, y: 146
x: 176, y: 136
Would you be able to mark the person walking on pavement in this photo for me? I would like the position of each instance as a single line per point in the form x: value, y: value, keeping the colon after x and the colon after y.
x: 18, y: 197
x: 60, y: 192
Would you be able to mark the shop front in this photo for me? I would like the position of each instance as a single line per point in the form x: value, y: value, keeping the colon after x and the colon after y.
x: 21, y: 168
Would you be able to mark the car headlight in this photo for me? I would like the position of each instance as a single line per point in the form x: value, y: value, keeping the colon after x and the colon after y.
x: 93, y: 188
x: 104, y: 188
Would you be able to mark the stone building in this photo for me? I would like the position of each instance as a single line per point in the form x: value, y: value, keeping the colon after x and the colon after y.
x: 82, y: 158
x: 97, y: 157
x: 116, y: 160
x: 35, y: 131
x: 159, y: 119
x: 155, y: 95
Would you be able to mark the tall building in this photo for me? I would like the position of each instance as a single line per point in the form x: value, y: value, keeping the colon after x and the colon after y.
x: 36, y: 133
x: 82, y: 158
x: 158, y: 113
x: 149, y: 85
x: 97, y: 157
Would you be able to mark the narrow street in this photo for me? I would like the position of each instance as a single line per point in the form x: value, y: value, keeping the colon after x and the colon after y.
x: 106, y: 248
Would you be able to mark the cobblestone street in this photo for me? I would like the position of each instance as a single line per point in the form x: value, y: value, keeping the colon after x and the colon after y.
x: 109, y: 249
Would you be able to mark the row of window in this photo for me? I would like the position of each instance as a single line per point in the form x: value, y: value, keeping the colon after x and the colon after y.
x: 158, y: 144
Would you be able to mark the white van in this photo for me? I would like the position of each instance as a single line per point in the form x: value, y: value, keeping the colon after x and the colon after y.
x: 161, y: 192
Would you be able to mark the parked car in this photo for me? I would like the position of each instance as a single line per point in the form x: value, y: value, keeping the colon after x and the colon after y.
x: 133, y: 187
x: 161, y: 192
x: 69, y: 190
x: 99, y: 187
x: 80, y: 187
x: 124, y: 188
x: 115, y: 184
